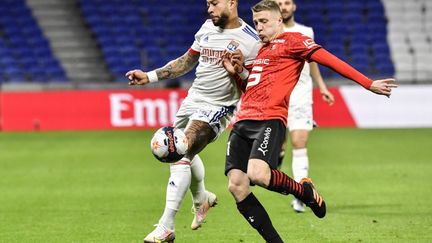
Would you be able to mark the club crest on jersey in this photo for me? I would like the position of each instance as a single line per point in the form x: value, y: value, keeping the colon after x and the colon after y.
x: 232, y: 46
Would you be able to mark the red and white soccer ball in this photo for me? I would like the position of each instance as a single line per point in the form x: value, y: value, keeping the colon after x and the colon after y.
x: 169, y: 144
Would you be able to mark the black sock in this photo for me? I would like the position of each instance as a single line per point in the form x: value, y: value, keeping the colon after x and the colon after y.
x: 257, y: 216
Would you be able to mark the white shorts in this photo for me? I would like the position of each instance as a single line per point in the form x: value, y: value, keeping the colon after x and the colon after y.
x: 218, y: 117
x: 300, y: 117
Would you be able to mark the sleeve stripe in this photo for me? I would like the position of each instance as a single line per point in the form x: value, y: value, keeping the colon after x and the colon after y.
x: 193, y: 52
x: 311, y: 53
x: 250, y: 32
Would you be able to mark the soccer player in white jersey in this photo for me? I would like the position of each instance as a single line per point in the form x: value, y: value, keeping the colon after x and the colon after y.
x: 300, y: 120
x: 208, y: 107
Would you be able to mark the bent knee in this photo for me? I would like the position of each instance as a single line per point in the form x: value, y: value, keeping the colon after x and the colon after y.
x: 299, y: 144
x: 238, y: 184
x: 299, y: 140
x: 235, y: 189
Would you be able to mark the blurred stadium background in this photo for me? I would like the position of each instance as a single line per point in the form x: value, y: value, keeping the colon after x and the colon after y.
x: 77, y: 42
x: 52, y: 45
x: 62, y: 65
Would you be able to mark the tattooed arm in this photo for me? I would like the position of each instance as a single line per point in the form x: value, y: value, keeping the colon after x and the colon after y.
x: 172, y: 69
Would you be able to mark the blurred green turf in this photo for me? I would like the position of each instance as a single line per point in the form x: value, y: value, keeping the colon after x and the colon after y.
x: 107, y: 187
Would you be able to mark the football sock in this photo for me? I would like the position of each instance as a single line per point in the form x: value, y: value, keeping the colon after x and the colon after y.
x: 257, y: 216
x: 197, y: 186
x: 280, y: 182
x: 300, y: 164
x: 178, y: 184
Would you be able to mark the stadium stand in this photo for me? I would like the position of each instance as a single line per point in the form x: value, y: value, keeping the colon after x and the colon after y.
x: 380, y: 38
x: 71, y: 40
x: 25, y: 53
x: 354, y: 30
x: 157, y: 31
x: 144, y: 33
x: 410, y: 38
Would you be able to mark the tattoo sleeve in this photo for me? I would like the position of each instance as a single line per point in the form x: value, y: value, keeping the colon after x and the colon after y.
x: 177, y: 67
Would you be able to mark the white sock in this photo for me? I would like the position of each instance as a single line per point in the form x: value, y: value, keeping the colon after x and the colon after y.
x: 300, y: 164
x: 197, y: 186
x: 178, y: 184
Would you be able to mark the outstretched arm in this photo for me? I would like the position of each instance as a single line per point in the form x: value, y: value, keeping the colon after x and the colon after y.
x: 316, y: 76
x: 172, y: 69
x: 381, y: 87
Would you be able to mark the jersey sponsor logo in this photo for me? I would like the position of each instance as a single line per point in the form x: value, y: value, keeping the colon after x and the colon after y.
x: 126, y: 110
x: 309, y: 43
x: 264, y: 145
x: 211, y: 56
x: 232, y: 46
x: 261, y: 61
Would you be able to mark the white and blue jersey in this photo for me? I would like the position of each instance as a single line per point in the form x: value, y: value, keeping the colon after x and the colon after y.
x: 214, y: 95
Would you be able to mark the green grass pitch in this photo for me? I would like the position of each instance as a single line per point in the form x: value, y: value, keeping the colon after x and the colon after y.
x: 107, y: 187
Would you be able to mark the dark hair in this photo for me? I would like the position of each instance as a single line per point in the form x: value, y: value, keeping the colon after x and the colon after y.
x: 266, y: 5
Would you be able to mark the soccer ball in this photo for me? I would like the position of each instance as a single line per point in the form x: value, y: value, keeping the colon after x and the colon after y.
x: 169, y: 144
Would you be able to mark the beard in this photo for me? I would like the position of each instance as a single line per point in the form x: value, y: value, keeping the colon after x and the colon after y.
x: 286, y: 18
x: 222, y: 20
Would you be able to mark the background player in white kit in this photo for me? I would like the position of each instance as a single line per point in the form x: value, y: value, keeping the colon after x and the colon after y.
x: 300, y: 118
x: 207, y: 109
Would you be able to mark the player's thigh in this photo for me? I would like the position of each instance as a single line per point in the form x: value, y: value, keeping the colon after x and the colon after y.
x: 199, y: 131
x: 258, y: 172
x: 268, y: 142
x: 300, y: 117
x: 237, y: 153
x: 202, y: 123
x: 218, y: 118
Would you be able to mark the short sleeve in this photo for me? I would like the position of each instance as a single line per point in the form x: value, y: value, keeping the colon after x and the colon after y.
x: 196, y: 46
x: 252, y: 53
x: 301, y: 46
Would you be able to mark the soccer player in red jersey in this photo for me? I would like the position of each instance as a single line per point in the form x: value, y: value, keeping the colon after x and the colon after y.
x: 257, y: 136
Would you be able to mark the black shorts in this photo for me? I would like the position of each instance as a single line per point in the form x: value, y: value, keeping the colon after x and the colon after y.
x: 254, y: 140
